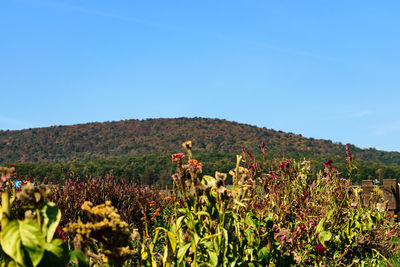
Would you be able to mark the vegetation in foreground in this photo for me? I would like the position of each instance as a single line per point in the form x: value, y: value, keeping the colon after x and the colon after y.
x: 273, y: 215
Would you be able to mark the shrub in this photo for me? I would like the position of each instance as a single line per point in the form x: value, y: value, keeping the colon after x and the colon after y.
x: 132, y: 201
x: 275, y: 214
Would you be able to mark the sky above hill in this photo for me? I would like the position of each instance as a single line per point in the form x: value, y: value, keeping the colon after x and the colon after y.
x: 323, y: 69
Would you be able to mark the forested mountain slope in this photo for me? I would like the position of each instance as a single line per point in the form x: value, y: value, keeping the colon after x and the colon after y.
x: 157, y: 136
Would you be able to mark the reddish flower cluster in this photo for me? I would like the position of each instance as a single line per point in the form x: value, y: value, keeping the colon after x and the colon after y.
x: 283, y: 165
x: 175, y: 176
x: 60, y: 233
x: 262, y: 146
x: 177, y: 157
x: 328, y: 163
x: 195, y: 163
x: 320, y: 248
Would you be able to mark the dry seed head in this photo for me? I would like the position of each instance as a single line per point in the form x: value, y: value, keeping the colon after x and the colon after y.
x: 32, y: 194
x: 220, y: 176
x: 6, y: 174
x: 187, y: 145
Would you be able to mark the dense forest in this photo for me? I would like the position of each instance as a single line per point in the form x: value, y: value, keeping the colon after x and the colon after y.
x: 155, y: 136
x: 139, y: 150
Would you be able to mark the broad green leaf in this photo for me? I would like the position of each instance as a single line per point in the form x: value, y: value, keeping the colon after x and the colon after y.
x: 166, y: 254
x: 329, y: 214
x: 182, y: 251
x: 56, y: 254
x: 196, y: 239
x: 213, y: 258
x: 209, y: 245
x: 21, y: 237
x: 320, y: 225
x: 78, y: 258
x: 209, y: 180
x: 263, y: 254
x: 269, y: 223
x: 210, y: 236
x: 226, y: 237
x: 11, y: 264
x: 239, y: 203
x: 205, y: 213
x: 324, y: 236
x: 32, y: 239
x: 172, y: 241
x: 252, y: 220
x: 370, y: 224
x: 51, y: 217
x: 11, y: 242
x: 179, y: 222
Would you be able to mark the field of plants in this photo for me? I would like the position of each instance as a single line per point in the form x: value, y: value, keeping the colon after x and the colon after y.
x: 273, y: 213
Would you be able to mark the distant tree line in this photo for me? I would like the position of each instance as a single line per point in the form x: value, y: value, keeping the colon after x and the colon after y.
x: 156, y: 169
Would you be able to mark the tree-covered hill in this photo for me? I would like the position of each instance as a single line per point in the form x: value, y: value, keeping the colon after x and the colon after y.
x: 159, y: 136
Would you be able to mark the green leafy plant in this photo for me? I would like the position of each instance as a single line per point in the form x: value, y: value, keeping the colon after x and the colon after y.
x: 30, y: 242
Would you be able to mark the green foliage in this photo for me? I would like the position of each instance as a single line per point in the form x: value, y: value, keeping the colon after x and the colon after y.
x: 275, y: 213
x: 29, y: 242
x: 155, y: 169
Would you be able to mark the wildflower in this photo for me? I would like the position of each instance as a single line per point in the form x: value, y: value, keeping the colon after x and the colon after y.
x: 262, y: 146
x: 177, y: 157
x: 152, y: 219
x: 349, y: 154
x: 174, y: 176
x: 158, y: 210
x: 152, y: 202
x: 320, y: 248
x: 11, y: 165
x: 143, y: 218
x: 60, y: 233
x: 168, y: 198
x: 195, y: 163
x: 284, y: 164
x: 328, y: 163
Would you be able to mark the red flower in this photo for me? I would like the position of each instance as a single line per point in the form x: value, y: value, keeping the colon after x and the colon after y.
x: 11, y: 165
x: 328, y: 163
x: 194, y: 163
x: 320, y: 248
x: 177, y: 157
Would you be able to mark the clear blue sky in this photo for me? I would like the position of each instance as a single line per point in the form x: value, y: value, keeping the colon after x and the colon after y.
x: 323, y: 69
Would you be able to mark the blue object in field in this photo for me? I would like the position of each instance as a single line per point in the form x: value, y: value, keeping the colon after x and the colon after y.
x: 18, y: 183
